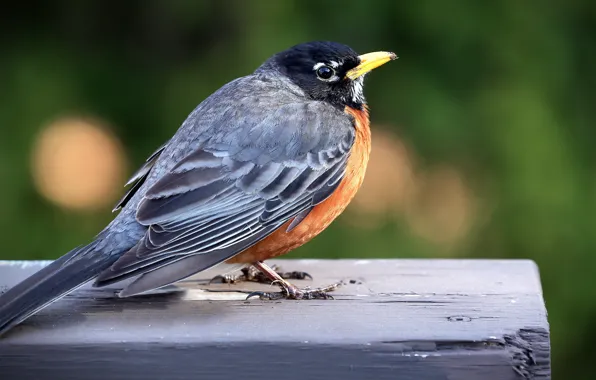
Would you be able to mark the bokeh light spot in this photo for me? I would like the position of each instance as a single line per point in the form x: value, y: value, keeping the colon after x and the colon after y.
x: 388, y: 181
x: 442, y: 207
x: 78, y: 164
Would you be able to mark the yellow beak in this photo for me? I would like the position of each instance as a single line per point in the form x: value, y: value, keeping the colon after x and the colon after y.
x: 369, y: 62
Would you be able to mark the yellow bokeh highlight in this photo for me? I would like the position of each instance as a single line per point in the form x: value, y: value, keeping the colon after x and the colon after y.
x: 442, y: 208
x: 436, y: 203
x: 78, y: 164
x: 389, y: 176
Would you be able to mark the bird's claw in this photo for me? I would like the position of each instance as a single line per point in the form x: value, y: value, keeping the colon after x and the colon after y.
x: 270, y: 296
x: 252, y: 274
x: 289, y: 291
x: 224, y: 279
x: 246, y: 274
x: 295, y: 275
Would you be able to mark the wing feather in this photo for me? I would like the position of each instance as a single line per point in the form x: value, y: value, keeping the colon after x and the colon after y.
x: 138, y: 178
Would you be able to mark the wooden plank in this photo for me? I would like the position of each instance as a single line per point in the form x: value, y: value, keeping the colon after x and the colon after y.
x: 393, y: 319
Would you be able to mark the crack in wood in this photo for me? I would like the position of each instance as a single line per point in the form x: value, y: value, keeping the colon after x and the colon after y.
x: 530, y: 354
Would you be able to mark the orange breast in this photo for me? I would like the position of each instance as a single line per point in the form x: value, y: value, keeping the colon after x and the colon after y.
x: 322, y: 215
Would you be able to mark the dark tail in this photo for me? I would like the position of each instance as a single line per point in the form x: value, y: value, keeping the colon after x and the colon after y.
x: 51, y: 283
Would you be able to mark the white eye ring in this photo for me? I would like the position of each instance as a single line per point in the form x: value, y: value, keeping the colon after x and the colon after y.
x: 325, y: 72
x: 334, y: 64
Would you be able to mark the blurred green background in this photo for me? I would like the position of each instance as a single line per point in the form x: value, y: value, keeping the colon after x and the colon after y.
x: 483, y: 130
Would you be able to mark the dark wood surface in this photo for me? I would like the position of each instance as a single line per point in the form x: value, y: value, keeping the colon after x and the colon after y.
x: 393, y: 319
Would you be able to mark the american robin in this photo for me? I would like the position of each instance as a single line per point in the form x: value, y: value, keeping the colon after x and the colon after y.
x: 259, y: 168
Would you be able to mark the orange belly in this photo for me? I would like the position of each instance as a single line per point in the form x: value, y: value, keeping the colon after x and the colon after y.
x: 281, y: 242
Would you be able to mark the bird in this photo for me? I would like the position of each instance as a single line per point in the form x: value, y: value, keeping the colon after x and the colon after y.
x: 257, y: 169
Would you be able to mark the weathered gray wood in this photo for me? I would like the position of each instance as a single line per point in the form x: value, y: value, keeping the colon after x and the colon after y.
x: 394, y: 319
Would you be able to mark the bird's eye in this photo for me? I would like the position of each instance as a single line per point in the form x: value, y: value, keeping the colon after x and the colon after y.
x: 325, y: 72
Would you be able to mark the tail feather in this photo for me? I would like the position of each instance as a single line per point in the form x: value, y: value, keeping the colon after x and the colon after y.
x: 51, y: 283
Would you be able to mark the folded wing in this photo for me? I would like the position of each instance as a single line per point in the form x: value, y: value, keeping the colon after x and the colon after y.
x: 226, y: 196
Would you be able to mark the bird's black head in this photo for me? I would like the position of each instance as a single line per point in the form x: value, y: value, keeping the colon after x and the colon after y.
x: 327, y: 71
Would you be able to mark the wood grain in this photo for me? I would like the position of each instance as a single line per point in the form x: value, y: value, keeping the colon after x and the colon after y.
x: 393, y: 319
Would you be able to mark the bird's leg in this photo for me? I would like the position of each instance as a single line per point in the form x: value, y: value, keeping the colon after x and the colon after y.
x: 288, y: 290
x: 253, y: 274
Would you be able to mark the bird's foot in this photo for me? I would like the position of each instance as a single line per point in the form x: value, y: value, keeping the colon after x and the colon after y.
x: 289, y: 291
x: 294, y: 275
x: 253, y: 274
x: 245, y: 274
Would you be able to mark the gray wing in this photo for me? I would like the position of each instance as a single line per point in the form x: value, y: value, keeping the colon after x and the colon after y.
x: 138, y: 178
x: 228, y: 195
